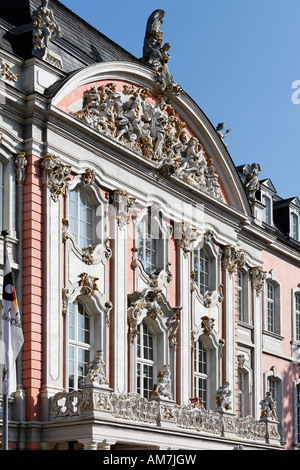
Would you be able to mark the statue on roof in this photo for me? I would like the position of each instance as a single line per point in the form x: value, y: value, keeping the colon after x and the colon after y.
x: 156, y: 55
x: 45, y: 28
x: 252, y: 184
x: 220, y: 132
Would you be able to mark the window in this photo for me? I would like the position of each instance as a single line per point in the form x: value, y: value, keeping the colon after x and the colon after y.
x: 79, y: 344
x: 201, y: 372
x: 241, y: 394
x: 81, y: 217
x: 240, y: 296
x: 147, y: 245
x: 145, y: 360
x: 297, y: 317
x: 298, y: 414
x: 267, y: 217
x: 270, y: 307
x: 201, y: 269
x: 294, y: 227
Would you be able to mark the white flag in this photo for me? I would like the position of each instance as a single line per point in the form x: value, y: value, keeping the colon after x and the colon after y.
x: 12, y: 333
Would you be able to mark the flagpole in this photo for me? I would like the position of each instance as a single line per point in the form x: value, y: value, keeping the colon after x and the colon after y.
x: 4, y: 233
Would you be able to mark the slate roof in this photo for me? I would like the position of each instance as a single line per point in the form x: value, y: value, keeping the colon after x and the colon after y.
x: 86, y: 47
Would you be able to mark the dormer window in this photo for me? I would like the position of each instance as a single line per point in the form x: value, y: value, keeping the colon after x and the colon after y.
x: 294, y: 233
x: 267, y: 214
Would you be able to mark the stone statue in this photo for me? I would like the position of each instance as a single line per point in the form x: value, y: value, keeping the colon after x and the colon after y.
x: 163, y: 388
x: 268, y: 407
x: 220, y: 132
x: 45, y: 28
x: 96, y: 371
x: 223, y: 398
x: 156, y: 55
x: 252, y: 184
x: 155, y: 131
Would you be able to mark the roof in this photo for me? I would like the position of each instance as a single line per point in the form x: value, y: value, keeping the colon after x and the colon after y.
x: 87, y: 47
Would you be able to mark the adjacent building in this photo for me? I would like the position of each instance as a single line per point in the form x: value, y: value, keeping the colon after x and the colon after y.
x: 159, y: 284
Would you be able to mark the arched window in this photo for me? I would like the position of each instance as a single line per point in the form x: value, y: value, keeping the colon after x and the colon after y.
x: 146, y: 360
x: 201, y: 372
x: 80, y: 344
x: 82, y: 217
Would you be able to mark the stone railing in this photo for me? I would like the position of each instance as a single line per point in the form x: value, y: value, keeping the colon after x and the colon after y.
x: 100, y: 402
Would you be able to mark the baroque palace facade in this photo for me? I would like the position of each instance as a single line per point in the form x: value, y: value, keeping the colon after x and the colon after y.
x: 158, y: 283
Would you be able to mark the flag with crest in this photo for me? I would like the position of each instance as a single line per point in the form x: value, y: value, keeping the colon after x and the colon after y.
x: 12, y: 333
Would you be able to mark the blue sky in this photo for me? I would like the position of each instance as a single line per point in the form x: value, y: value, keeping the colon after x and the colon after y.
x: 237, y: 59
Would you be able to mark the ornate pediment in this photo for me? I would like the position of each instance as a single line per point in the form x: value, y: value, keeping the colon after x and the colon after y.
x: 150, y: 126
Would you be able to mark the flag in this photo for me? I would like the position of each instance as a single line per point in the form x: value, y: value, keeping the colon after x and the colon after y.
x: 12, y: 334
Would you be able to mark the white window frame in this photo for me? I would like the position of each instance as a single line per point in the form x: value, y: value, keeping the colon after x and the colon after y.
x: 158, y: 235
x: 296, y: 386
x: 78, y: 345
x: 200, y: 376
x: 143, y: 362
x: 79, y: 221
x: 243, y: 296
x: 267, y: 200
x: 294, y: 221
x: 213, y: 267
x: 272, y: 305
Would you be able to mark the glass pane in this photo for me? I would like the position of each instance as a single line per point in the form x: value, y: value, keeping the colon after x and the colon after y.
x: 71, y: 368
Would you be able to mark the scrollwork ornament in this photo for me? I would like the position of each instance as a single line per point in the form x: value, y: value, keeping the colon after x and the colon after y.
x: 56, y: 176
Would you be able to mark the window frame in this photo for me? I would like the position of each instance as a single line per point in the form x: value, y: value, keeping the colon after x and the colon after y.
x: 153, y: 218
x: 76, y: 344
x: 272, y: 306
x: 143, y: 362
x: 294, y: 227
x: 80, y: 191
x: 200, y: 376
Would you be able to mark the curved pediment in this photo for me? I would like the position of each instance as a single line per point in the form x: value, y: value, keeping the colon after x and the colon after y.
x: 123, y: 102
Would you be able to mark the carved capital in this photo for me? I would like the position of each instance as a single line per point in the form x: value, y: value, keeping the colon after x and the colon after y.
x: 232, y: 258
x: 187, y: 238
x: 56, y: 176
x: 257, y: 278
x: 124, y: 206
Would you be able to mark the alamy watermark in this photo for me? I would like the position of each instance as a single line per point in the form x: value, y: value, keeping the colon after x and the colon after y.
x: 296, y: 93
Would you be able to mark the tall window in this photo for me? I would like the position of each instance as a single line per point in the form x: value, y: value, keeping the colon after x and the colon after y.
x: 81, y: 218
x: 201, y: 372
x: 297, y: 319
x: 148, y: 245
x: 270, y: 307
x: 241, y: 394
x: 298, y: 412
x: 294, y: 227
x: 240, y: 296
x: 145, y: 360
x: 79, y: 345
x: 268, y: 209
x: 202, y: 270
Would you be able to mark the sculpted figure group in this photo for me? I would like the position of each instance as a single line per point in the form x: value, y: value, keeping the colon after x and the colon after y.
x: 153, y: 130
